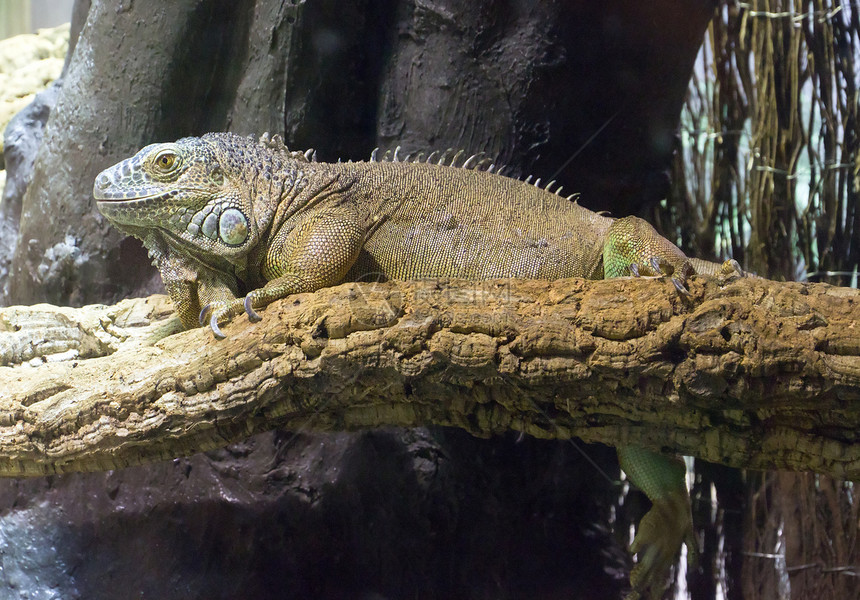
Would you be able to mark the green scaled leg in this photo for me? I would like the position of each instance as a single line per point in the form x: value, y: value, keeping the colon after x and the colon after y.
x: 633, y: 247
x: 664, y: 527
x: 632, y: 241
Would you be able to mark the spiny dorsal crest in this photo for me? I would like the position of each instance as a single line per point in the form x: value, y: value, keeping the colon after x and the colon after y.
x: 276, y: 142
x: 454, y: 158
x: 557, y: 191
x: 447, y: 158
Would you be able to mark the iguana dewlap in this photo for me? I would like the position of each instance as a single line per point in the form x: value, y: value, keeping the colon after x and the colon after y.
x: 222, y: 212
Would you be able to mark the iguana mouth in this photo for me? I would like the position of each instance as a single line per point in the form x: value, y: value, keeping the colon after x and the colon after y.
x: 108, y: 188
x: 130, y: 207
x: 126, y: 181
x: 130, y: 197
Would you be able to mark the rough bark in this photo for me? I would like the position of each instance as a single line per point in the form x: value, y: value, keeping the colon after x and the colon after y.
x: 757, y: 374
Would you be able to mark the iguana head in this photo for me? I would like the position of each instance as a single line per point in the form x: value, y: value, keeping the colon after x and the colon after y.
x: 192, y: 190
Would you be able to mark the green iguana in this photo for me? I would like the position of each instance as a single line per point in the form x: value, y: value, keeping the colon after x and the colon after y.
x: 222, y: 213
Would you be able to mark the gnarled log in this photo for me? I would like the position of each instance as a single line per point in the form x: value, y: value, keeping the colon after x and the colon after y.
x: 756, y: 373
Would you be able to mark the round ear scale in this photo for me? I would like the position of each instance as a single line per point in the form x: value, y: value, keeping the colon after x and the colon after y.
x: 233, y: 227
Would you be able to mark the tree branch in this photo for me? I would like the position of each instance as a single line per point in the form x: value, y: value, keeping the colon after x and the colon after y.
x: 755, y: 374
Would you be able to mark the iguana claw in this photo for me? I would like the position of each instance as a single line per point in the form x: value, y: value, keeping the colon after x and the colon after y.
x: 204, y: 314
x: 209, y: 315
x: 731, y: 270
x: 216, y: 331
x: 682, y: 289
x: 219, y: 311
x: 661, y: 270
x: 252, y: 315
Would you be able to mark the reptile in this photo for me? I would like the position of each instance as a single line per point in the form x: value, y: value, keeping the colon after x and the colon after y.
x: 233, y: 223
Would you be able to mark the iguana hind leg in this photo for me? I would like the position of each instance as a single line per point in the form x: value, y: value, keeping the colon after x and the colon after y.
x: 632, y: 241
x: 633, y: 247
x: 663, y: 528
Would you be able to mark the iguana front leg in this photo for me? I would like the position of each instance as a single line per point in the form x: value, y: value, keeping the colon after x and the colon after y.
x: 190, y: 284
x: 305, y: 256
x: 633, y: 246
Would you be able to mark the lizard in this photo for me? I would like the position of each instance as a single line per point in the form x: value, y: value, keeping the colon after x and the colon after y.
x: 224, y: 214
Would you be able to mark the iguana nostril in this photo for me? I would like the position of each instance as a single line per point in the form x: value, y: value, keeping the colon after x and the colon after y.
x: 103, y: 182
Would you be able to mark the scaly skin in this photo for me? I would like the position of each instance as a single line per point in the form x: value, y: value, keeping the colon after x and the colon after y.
x: 222, y: 212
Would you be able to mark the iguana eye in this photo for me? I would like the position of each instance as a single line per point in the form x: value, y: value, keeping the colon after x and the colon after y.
x: 166, y: 161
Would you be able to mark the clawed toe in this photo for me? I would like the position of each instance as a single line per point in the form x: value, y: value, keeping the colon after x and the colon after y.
x: 214, y: 312
x: 213, y: 325
x: 220, y: 312
x: 252, y: 315
x: 660, y: 269
x: 731, y: 270
x: 682, y: 289
x: 204, y: 314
